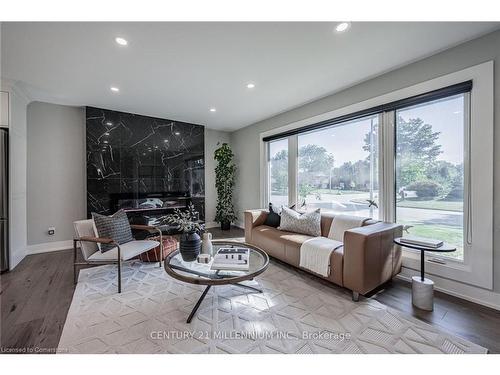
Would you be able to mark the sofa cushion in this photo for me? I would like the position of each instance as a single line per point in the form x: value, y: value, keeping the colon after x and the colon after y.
x: 273, y: 218
x: 268, y: 238
x: 277, y: 243
x: 128, y: 251
x: 307, y: 223
x: 294, y: 241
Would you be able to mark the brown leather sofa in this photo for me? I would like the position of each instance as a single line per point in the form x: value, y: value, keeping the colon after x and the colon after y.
x: 368, y: 258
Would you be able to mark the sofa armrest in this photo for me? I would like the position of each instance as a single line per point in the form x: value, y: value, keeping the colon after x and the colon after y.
x: 253, y: 218
x: 370, y: 256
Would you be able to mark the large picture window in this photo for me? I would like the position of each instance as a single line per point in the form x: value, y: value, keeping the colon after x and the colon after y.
x: 337, y: 168
x: 334, y: 166
x: 278, y: 172
x: 430, y: 170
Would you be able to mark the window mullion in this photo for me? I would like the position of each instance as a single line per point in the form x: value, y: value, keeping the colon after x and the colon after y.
x: 386, y: 169
x: 292, y: 170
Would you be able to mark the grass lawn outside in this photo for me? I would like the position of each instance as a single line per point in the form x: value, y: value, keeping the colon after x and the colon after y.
x: 432, y: 205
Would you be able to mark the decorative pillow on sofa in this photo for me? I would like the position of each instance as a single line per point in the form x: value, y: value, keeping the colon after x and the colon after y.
x: 273, y: 218
x: 306, y: 223
x: 342, y: 223
x: 115, y: 226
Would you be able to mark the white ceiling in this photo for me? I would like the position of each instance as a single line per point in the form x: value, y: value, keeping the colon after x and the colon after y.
x: 180, y: 70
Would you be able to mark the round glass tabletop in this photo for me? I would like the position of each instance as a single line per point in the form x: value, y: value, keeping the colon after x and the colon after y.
x: 444, y: 248
x: 204, y: 274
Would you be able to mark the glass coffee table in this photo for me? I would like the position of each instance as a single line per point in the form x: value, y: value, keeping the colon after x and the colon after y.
x: 202, y: 274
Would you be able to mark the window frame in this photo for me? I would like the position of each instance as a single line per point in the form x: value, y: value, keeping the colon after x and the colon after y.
x: 466, y: 218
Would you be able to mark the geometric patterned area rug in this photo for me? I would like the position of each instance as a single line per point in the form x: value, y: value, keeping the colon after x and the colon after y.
x: 295, y: 314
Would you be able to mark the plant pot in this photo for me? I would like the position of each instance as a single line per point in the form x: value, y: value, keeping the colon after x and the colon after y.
x: 189, y: 246
x: 225, y: 225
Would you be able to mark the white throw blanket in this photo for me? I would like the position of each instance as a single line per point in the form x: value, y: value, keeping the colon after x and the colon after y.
x: 315, y: 254
x: 341, y: 223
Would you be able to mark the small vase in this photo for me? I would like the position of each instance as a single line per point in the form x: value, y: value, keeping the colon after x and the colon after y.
x: 189, y: 246
x: 206, y: 247
x: 225, y: 225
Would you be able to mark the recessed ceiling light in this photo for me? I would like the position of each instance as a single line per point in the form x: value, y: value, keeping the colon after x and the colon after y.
x: 121, y: 41
x: 165, y: 140
x: 177, y: 133
x: 250, y: 85
x: 106, y: 133
x: 109, y: 123
x: 343, y: 26
x: 213, y: 110
x: 105, y: 141
x: 114, y: 89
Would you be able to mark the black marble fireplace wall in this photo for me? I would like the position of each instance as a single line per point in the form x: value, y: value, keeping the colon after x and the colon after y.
x: 137, y: 156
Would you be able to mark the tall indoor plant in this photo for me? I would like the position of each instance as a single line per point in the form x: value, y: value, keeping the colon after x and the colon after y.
x: 225, y: 172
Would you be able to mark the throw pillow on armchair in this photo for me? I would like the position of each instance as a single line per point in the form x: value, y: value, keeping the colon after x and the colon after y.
x: 115, y: 226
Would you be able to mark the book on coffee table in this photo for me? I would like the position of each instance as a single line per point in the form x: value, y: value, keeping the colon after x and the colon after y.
x: 231, y: 258
x: 422, y: 241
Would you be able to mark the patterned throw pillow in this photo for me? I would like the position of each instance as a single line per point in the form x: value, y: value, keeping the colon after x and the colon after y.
x: 115, y: 226
x: 306, y: 223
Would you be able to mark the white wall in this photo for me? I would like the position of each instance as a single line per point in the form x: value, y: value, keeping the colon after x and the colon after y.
x: 246, y: 142
x: 212, y: 138
x: 56, y: 194
x: 17, y: 172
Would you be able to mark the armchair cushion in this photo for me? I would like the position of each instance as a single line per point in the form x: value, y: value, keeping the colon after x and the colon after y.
x: 128, y: 251
x: 115, y: 226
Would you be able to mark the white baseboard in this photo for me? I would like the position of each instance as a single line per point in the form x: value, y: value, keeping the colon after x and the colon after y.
x: 16, y: 258
x: 49, y: 246
x: 467, y: 292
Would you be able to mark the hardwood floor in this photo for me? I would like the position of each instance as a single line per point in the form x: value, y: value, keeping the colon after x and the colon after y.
x: 36, y: 296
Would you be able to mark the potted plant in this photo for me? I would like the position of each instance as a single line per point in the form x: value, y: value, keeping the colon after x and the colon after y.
x: 224, y: 183
x: 187, y: 222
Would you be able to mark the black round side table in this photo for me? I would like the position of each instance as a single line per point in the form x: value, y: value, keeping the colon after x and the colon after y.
x: 421, y: 287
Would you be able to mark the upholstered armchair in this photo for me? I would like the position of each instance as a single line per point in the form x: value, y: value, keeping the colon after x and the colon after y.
x: 91, y: 254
